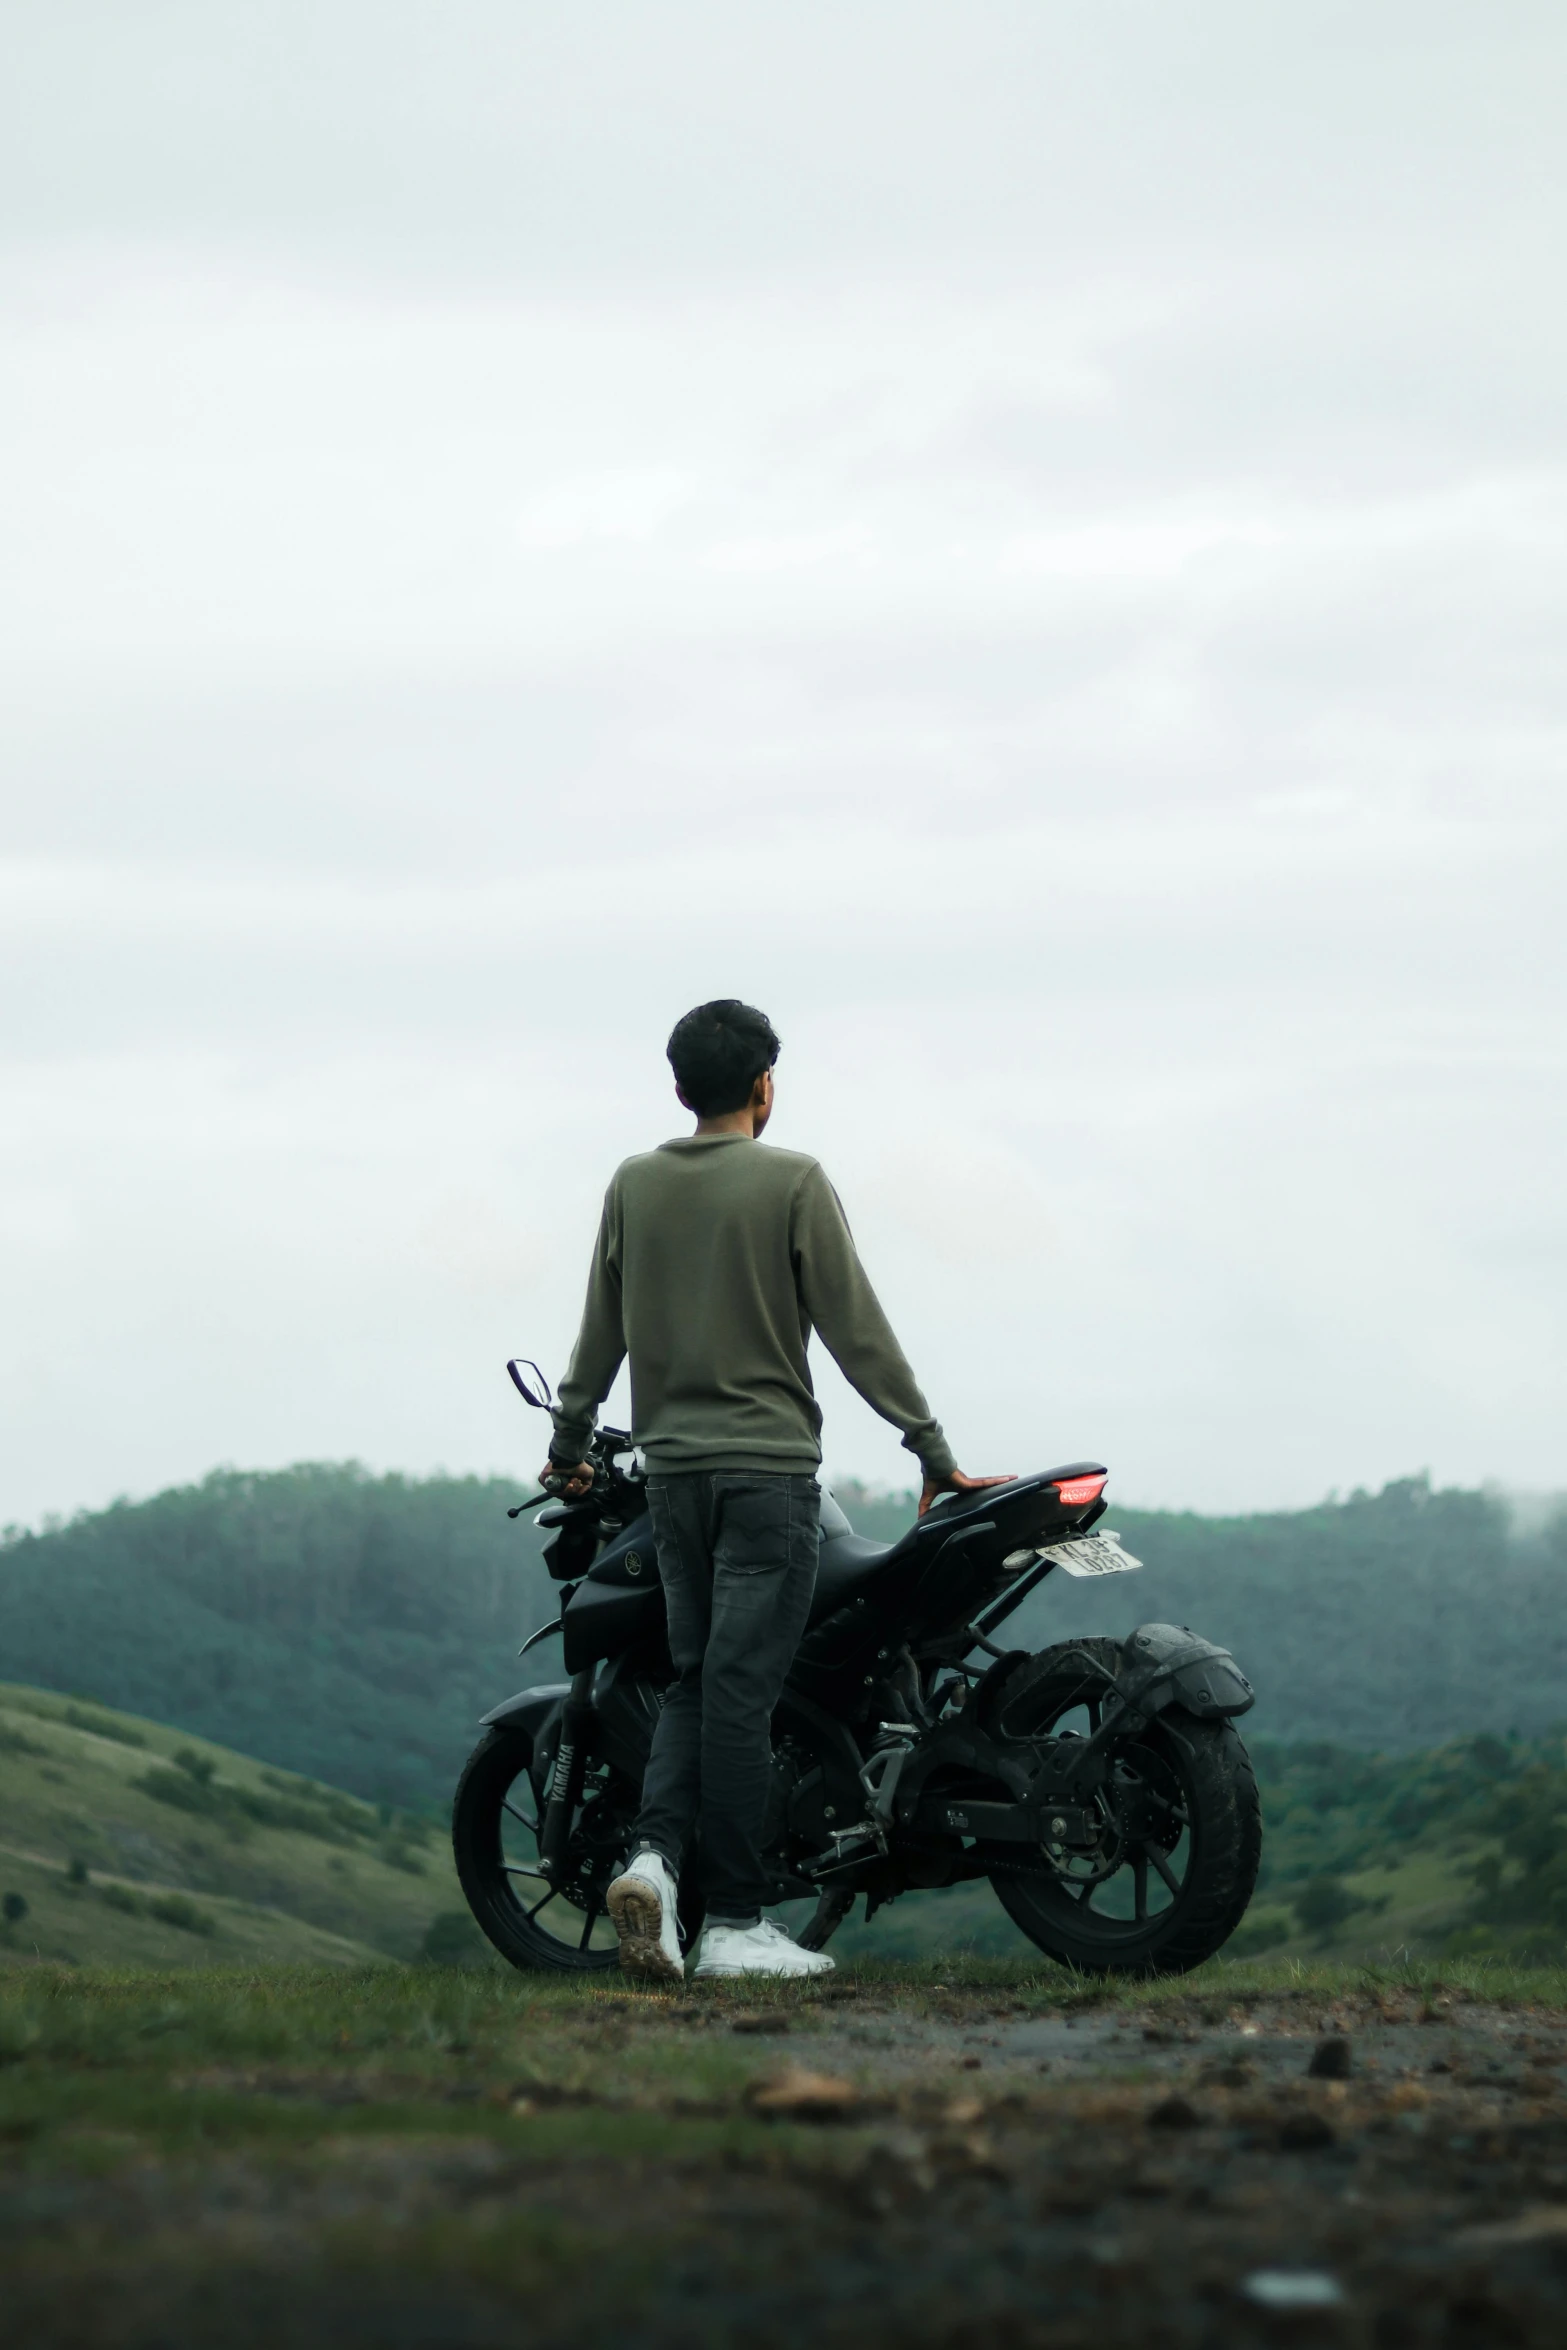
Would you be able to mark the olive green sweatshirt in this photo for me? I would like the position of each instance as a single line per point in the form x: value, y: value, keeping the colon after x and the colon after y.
x: 717, y: 1256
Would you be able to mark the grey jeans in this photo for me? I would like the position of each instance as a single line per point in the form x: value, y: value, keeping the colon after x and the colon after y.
x: 737, y: 1559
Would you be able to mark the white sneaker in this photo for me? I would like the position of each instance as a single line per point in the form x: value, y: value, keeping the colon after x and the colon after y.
x: 758, y: 1950
x: 641, y: 1904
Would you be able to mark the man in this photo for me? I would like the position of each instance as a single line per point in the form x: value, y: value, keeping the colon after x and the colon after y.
x: 715, y: 1261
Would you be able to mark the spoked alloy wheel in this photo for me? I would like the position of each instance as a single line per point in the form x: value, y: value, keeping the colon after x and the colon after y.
x: 1181, y: 1832
x: 496, y: 1821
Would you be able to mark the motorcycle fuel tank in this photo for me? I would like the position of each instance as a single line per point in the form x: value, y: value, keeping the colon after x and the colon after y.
x: 619, y: 1600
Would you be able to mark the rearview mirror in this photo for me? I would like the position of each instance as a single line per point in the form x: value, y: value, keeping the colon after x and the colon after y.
x: 535, y: 1389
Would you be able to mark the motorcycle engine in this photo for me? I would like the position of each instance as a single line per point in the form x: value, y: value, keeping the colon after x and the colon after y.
x: 807, y: 1803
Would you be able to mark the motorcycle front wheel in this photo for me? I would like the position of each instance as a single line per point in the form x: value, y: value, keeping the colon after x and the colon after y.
x: 1177, y: 1862
x: 497, y: 1815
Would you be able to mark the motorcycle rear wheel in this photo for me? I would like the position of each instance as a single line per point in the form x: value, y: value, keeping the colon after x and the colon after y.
x: 1187, y: 1796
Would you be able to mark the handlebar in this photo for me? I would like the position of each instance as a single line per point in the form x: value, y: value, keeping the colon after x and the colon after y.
x: 609, y: 1482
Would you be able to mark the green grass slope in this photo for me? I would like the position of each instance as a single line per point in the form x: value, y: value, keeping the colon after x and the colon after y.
x: 126, y: 1843
x: 1459, y: 1850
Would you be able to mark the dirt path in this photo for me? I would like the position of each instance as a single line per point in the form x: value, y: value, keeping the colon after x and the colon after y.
x: 1383, y: 2171
x: 1274, y: 2038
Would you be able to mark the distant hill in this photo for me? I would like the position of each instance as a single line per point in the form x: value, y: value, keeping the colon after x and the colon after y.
x: 1397, y: 1619
x: 354, y: 1627
x: 1460, y: 1850
x: 127, y: 1843
x: 348, y: 1626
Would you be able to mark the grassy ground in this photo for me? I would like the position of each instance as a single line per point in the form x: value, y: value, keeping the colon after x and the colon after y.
x: 131, y: 1843
x: 990, y: 2152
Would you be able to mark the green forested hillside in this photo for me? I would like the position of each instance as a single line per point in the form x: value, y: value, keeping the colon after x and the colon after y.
x: 354, y: 1627
x: 1459, y: 1850
x: 127, y: 1843
x: 347, y: 1626
x: 1397, y: 1619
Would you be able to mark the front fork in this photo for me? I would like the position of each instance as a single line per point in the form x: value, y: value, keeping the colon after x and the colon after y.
x: 566, y: 1777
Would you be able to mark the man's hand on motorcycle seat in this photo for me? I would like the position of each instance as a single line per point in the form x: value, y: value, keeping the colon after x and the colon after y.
x: 561, y: 1477
x: 956, y: 1483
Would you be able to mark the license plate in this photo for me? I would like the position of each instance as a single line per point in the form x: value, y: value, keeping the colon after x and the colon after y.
x: 1092, y: 1554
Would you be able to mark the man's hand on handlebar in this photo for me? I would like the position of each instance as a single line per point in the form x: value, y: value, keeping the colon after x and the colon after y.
x: 571, y: 1484
x: 956, y: 1483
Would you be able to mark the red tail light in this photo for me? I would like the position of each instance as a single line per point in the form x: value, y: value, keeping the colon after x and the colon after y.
x: 1078, y: 1492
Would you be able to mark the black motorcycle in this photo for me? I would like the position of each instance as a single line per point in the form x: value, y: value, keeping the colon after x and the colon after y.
x: 1099, y: 1784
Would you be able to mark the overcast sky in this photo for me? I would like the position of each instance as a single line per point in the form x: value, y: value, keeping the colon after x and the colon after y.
x: 1026, y: 539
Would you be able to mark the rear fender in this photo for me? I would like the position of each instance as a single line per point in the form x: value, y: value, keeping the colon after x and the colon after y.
x: 1165, y: 1664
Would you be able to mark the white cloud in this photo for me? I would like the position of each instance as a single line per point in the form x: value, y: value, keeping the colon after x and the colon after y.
x: 991, y: 552
x: 627, y: 505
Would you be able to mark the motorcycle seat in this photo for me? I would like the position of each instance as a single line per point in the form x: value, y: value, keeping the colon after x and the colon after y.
x: 845, y: 1561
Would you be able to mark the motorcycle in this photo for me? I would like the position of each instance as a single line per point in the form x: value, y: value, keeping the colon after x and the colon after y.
x: 1099, y: 1784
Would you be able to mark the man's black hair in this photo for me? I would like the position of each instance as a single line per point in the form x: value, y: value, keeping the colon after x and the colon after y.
x: 718, y: 1052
